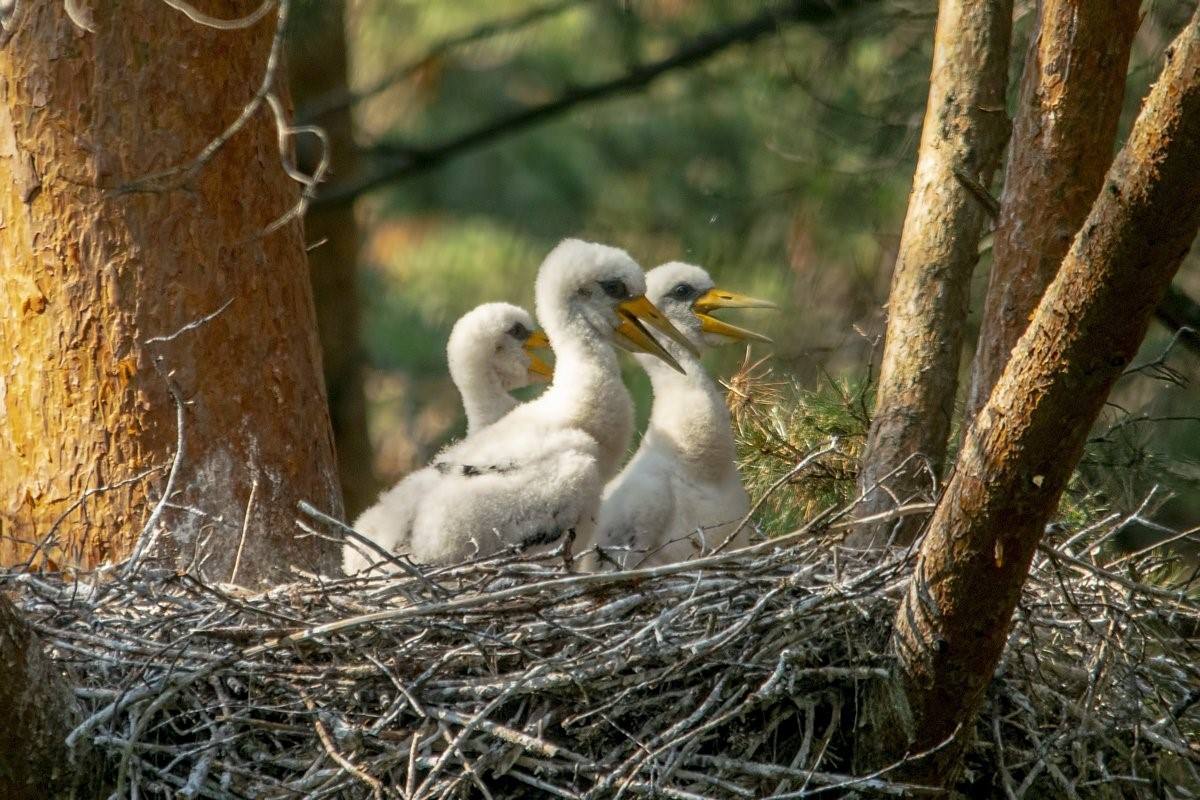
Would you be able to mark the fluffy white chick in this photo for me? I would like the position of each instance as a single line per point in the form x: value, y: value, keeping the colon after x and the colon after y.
x: 681, y: 491
x: 490, y: 354
x: 537, y: 473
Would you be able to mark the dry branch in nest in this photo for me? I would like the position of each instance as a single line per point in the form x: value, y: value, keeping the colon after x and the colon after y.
x: 743, y: 675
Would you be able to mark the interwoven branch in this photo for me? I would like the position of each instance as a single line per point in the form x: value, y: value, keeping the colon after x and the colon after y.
x: 510, y: 676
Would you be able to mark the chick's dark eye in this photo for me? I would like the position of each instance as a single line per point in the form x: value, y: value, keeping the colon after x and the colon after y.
x: 519, y: 332
x: 683, y: 291
x: 615, y: 289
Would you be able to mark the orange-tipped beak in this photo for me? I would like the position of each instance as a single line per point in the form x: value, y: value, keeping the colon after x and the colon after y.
x: 539, y: 370
x: 538, y: 340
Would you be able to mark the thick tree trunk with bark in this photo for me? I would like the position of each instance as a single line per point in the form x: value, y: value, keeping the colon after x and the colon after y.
x: 96, y: 262
x: 1019, y: 455
x: 961, y: 143
x: 38, y: 712
x: 1066, y: 123
x: 317, y: 65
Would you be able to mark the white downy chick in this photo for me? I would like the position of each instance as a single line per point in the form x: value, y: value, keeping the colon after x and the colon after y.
x: 537, y: 473
x: 490, y: 354
x: 681, y: 491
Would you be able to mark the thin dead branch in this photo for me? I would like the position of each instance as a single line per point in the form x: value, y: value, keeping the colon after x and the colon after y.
x: 341, y: 99
x: 510, y: 674
x: 401, y: 161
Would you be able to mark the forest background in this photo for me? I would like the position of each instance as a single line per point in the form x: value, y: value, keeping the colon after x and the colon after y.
x: 780, y: 159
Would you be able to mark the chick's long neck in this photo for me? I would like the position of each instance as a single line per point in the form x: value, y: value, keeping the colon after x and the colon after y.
x: 484, y: 399
x: 587, y: 393
x: 689, y: 416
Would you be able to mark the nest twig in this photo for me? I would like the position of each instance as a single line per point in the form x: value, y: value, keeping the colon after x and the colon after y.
x: 740, y: 677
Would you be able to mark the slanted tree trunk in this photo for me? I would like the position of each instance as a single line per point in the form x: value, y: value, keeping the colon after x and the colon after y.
x: 1017, y: 458
x: 1066, y: 123
x: 38, y: 712
x: 317, y: 62
x: 96, y: 262
x: 961, y: 143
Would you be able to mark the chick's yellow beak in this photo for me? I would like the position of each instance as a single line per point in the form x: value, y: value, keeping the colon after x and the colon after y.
x: 713, y: 325
x: 722, y: 298
x: 640, y: 308
x: 539, y: 370
x: 538, y: 340
x: 631, y: 335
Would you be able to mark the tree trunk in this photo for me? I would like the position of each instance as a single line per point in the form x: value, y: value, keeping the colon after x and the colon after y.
x: 96, y: 262
x: 1071, y: 95
x: 39, y: 712
x: 1017, y: 458
x: 317, y: 61
x: 961, y: 143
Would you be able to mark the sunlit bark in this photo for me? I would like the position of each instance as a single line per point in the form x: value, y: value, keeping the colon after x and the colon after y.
x: 95, y: 262
x: 961, y: 143
x: 1066, y: 123
x: 1016, y: 460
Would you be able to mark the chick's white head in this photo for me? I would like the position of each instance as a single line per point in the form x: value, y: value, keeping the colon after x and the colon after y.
x: 494, y: 340
x: 589, y: 292
x: 687, y: 294
x: 583, y: 284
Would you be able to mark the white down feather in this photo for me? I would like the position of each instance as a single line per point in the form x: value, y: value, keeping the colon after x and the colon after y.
x: 538, y: 472
x: 681, y: 492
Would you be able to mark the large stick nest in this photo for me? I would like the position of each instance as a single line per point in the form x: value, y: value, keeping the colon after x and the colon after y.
x: 511, y: 677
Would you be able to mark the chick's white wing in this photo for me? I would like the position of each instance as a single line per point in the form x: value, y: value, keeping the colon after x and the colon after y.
x: 389, y: 522
x: 491, y: 493
x: 637, y: 513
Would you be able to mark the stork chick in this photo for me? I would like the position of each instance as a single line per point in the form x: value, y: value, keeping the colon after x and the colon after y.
x: 681, y: 491
x: 537, y: 473
x: 490, y: 353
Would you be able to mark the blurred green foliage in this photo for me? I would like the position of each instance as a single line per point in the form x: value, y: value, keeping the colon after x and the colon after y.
x: 782, y: 166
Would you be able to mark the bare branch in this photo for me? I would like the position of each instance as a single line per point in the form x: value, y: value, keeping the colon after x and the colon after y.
x: 406, y: 161
x: 343, y: 98
x: 200, y: 18
x: 1179, y: 311
x: 176, y: 176
x: 237, y: 560
x: 191, y: 326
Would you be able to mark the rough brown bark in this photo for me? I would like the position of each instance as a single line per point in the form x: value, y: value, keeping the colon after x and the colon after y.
x: 1019, y: 455
x: 95, y: 263
x: 38, y: 713
x: 318, y: 68
x: 1066, y: 123
x: 961, y: 143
